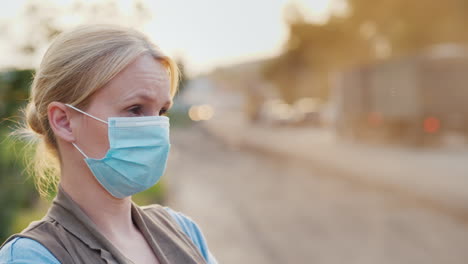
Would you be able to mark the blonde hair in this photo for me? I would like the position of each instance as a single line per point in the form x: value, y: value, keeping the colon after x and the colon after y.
x: 77, y: 64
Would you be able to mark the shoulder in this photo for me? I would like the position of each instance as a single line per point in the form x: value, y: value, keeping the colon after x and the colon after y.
x: 26, y: 250
x: 184, y: 222
x: 193, y: 231
x: 187, y: 225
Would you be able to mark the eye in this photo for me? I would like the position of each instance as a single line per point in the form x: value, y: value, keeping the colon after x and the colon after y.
x: 163, y: 112
x: 136, y: 110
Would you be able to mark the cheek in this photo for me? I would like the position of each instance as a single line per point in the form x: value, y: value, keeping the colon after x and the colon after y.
x: 95, y: 139
x: 102, y: 141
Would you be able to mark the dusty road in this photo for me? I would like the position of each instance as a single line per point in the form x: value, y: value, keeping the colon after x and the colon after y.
x: 257, y: 209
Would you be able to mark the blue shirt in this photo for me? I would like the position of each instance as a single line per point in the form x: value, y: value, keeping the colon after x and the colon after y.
x: 28, y: 251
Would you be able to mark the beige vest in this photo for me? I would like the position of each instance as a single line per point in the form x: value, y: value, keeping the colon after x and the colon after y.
x: 72, y: 237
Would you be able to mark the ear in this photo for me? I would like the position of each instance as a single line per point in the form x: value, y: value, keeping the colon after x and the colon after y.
x: 59, y: 120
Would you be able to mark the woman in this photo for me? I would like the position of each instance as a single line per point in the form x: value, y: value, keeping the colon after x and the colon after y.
x: 97, y: 105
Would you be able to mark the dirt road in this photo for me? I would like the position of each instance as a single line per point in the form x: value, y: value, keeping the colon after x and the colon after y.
x: 257, y: 209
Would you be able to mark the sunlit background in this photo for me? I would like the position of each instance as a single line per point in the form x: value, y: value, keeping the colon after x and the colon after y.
x: 305, y: 131
x: 218, y: 32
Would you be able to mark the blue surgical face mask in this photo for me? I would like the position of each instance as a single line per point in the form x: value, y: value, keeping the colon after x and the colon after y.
x: 137, y: 157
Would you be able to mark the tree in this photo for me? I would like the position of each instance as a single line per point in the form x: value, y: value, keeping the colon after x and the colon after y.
x: 16, y: 191
x: 368, y: 32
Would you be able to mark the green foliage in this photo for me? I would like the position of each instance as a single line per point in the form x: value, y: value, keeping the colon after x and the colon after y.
x: 16, y: 189
x: 25, y: 215
x: 14, y: 92
x: 154, y: 195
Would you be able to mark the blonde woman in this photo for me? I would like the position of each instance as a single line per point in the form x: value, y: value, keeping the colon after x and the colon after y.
x: 97, y: 107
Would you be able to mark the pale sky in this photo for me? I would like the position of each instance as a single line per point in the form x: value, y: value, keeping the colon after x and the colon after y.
x: 207, y: 33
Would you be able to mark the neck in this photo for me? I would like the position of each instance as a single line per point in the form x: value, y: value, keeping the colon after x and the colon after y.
x: 110, y: 214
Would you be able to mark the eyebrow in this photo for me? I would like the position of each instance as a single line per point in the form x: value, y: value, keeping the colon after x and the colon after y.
x: 145, y: 96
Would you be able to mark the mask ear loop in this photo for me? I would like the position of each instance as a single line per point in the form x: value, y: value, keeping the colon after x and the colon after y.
x: 83, y: 112
x: 80, y: 150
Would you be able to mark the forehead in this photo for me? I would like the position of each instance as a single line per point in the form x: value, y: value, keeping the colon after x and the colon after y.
x: 145, y: 77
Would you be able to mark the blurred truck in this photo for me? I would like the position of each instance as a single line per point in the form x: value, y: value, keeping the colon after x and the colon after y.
x: 419, y: 100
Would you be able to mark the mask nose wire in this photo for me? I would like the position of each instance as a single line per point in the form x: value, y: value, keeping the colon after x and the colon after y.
x: 83, y: 112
